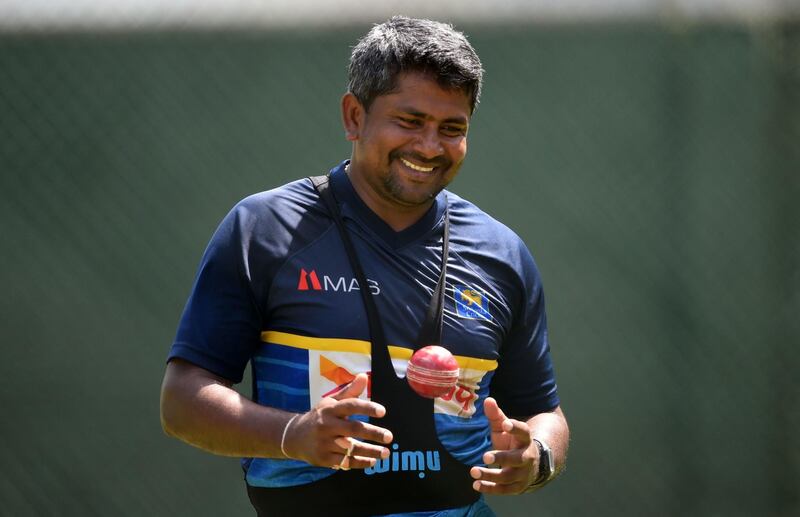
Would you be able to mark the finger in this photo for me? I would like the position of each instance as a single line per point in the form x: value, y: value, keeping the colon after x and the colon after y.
x: 510, y: 458
x: 508, y: 480
x: 369, y: 450
x: 361, y: 462
x: 354, y: 406
x: 340, y: 426
x: 494, y: 414
x: 346, y: 443
x: 488, y: 487
x: 358, y: 448
x: 341, y: 462
x: 366, y: 431
x: 354, y: 389
x: 500, y: 476
x: 519, y: 430
x: 344, y: 464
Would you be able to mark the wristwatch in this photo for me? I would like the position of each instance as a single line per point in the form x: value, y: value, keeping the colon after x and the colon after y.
x: 547, y: 466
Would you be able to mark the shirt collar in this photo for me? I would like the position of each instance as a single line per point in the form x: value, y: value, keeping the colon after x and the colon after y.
x: 351, y: 204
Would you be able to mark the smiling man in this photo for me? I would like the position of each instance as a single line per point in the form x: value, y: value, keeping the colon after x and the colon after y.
x: 408, y: 144
x: 328, y: 285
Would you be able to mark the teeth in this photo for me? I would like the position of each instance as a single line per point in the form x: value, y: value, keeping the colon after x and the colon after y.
x: 415, y: 167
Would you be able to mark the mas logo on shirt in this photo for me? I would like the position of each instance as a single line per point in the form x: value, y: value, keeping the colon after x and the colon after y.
x: 309, y: 280
x: 471, y: 303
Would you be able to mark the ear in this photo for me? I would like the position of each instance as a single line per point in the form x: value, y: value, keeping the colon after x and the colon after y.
x: 352, y: 117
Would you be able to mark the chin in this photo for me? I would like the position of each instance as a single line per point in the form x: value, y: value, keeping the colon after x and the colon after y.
x: 408, y: 192
x: 416, y: 198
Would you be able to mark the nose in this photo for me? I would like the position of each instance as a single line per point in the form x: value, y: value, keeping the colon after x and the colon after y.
x: 429, y: 144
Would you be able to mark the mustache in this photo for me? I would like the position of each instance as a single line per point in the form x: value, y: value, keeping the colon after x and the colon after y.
x: 443, y: 163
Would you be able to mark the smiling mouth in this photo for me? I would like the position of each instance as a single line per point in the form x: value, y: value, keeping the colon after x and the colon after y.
x: 416, y: 167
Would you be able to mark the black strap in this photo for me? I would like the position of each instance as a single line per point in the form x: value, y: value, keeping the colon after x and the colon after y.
x: 379, y: 353
x: 431, y: 330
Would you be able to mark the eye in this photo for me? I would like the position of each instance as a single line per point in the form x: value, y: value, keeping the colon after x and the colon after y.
x: 410, y: 123
x: 454, y: 131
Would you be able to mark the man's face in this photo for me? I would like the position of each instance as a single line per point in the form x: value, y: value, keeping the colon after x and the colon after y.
x: 411, y: 142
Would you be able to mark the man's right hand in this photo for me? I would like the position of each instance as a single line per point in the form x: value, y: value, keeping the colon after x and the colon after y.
x: 323, y: 436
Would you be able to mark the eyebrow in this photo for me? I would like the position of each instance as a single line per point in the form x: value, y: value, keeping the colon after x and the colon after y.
x: 414, y: 112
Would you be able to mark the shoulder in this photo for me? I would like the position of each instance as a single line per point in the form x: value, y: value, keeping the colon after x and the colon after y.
x: 277, y: 220
x: 474, y: 230
x: 288, y: 202
x: 282, y: 208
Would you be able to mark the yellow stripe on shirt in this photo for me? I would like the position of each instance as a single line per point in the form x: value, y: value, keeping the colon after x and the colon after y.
x: 362, y: 347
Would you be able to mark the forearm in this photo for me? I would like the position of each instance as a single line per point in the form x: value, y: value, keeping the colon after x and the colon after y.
x: 552, y: 428
x: 203, y: 411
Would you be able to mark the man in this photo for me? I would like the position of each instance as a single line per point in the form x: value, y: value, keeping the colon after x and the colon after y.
x: 328, y: 286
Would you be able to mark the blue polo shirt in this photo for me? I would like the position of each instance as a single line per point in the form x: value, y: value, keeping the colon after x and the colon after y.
x: 275, y: 288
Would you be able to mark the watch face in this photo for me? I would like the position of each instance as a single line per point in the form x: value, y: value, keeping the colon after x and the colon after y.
x: 546, y: 463
x: 549, y: 457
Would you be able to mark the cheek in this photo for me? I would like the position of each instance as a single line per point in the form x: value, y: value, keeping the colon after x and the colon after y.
x: 458, y: 151
x: 384, y: 142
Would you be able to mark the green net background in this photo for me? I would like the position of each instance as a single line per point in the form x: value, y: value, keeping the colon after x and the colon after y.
x: 653, y: 171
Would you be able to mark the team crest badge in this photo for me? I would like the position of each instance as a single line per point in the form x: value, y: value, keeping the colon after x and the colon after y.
x: 471, y: 303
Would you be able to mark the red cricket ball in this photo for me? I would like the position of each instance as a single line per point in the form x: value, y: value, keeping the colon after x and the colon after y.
x: 432, y: 371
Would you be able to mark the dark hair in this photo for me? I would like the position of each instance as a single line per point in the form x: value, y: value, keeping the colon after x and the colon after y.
x: 410, y: 45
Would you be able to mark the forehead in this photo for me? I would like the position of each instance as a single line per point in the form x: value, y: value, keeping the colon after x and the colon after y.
x: 421, y: 93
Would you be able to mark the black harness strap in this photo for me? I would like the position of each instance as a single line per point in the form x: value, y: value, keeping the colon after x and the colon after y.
x: 431, y: 331
x: 322, y: 184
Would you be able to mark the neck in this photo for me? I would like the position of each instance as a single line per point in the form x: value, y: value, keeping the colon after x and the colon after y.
x: 398, y: 217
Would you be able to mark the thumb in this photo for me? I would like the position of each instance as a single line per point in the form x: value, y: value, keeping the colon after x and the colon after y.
x: 354, y: 389
x: 494, y: 414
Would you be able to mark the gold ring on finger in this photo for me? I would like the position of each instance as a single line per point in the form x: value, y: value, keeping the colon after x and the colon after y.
x: 347, y: 443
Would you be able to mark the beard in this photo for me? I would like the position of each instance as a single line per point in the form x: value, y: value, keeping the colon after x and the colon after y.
x: 397, y: 191
x: 400, y: 190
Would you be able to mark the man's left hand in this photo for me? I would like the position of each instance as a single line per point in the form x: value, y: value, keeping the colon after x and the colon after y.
x: 513, y: 465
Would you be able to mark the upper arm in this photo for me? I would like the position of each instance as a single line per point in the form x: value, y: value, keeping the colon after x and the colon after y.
x: 221, y: 323
x: 524, y: 383
x: 181, y: 389
x: 180, y: 373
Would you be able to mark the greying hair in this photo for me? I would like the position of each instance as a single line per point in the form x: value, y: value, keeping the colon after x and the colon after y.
x: 410, y: 45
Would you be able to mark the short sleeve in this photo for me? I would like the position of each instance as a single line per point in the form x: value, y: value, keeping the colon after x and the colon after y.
x: 221, y: 324
x: 524, y: 383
